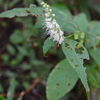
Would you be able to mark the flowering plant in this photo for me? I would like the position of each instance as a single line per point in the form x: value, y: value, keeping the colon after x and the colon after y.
x: 53, y: 29
x: 73, y: 34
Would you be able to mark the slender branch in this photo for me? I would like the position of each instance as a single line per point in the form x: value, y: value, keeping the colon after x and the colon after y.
x: 23, y: 92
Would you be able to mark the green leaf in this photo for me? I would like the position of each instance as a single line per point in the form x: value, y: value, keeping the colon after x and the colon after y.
x: 5, y: 58
x: 23, y: 51
x: 96, y: 29
x: 84, y: 9
x: 64, y: 20
x: 14, y: 2
x: 34, y: 74
x: 81, y: 21
x: 93, y: 34
x: 61, y: 80
x: 1, y: 89
x: 93, y: 76
x: 26, y: 85
x: 62, y: 7
x: 66, y: 24
x: 17, y: 37
x: 36, y: 10
x: 47, y: 45
x: 11, y: 90
x: 95, y: 54
x: 11, y: 49
x: 75, y: 59
x: 92, y: 41
x: 2, y: 98
x: 92, y: 25
x: 20, y: 12
x: 25, y: 66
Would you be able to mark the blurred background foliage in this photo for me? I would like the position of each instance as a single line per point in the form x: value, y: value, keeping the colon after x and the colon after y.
x: 21, y: 56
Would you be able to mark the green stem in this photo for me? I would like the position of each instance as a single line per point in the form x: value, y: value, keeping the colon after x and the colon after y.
x: 88, y: 95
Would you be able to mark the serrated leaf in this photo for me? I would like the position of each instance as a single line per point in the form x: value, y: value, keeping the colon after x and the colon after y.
x: 61, y: 80
x: 64, y: 20
x: 20, y: 12
x: 76, y: 60
x: 48, y: 44
x: 95, y: 54
x: 36, y: 10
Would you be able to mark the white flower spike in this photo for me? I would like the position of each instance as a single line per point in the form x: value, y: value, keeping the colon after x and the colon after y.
x: 53, y: 28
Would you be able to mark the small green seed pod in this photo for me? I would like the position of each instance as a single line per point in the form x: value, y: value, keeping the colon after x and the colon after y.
x: 75, y: 36
x: 82, y: 35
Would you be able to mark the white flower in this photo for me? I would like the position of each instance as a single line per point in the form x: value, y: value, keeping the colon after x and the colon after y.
x: 47, y: 14
x: 61, y: 32
x: 53, y: 15
x: 51, y: 25
x: 53, y: 29
x: 42, y: 3
x: 47, y: 19
x: 46, y: 9
x: 48, y: 25
x: 54, y: 21
x: 57, y: 26
x: 56, y: 37
x: 50, y: 10
x: 61, y: 40
x: 51, y: 33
